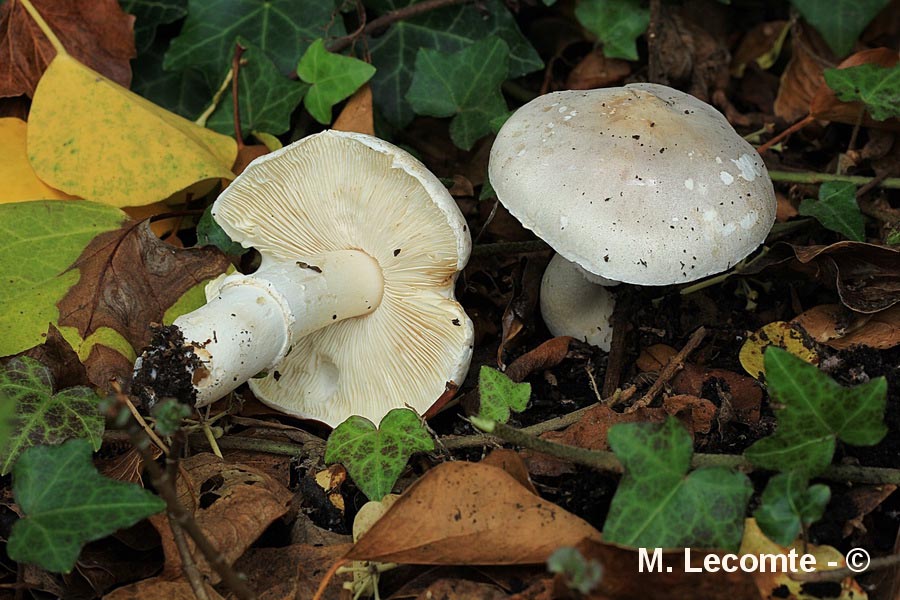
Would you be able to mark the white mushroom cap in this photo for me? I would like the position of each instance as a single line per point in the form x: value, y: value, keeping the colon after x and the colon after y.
x: 573, y: 304
x: 338, y: 191
x: 642, y: 184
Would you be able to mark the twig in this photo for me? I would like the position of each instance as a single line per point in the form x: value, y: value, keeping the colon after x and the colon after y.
x: 211, y: 439
x: 881, y: 562
x: 387, y: 19
x: 792, y: 129
x: 217, y: 97
x: 604, y: 460
x: 235, y: 99
x: 147, y: 429
x: 616, y: 361
x: 675, y: 364
x: 510, y: 248
x: 654, y: 70
x: 808, y: 177
x: 165, y: 486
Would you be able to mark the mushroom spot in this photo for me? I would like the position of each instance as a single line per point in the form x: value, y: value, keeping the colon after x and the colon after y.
x: 710, y: 215
x: 689, y: 184
x: 726, y: 177
x: 748, y: 166
x: 750, y: 219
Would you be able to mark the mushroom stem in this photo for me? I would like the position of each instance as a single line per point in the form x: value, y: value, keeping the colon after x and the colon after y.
x: 251, y: 321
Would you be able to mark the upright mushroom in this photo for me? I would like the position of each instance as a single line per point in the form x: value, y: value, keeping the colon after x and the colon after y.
x: 352, y: 309
x: 642, y: 184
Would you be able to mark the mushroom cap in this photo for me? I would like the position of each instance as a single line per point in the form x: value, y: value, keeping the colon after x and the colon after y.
x: 572, y: 304
x: 642, y: 184
x: 347, y: 191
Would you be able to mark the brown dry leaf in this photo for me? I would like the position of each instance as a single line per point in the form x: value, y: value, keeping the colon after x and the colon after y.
x: 546, y: 356
x: 129, y: 278
x: 697, y: 413
x: 595, y: 70
x: 802, y: 78
x: 864, y: 499
x: 292, y: 572
x: 840, y: 328
x: 457, y: 589
x: 784, y: 209
x: 745, y: 393
x: 511, y: 462
x: 58, y: 356
x: 126, y: 465
x: 826, y: 106
x: 462, y: 513
x: 762, y: 44
x: 157, y: 587
x: 522, y: 305
x: 590, y: 431
x: 357, y: 115
x: 98, y: 33
x: 654, y: 358
x: 236, y: 504
x: 246, y: 155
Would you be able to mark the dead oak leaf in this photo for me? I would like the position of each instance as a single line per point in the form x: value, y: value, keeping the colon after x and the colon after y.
x: 99, y: 34
x: 129, y: 278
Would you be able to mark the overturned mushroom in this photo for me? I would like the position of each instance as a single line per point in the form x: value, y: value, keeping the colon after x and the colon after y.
x: 642, y: 184
x: 352, y: 309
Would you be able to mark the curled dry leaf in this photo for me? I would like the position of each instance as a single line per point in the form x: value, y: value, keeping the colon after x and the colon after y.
x: 840, y: 328
x: 511, y: 462
x: 232, y: 503
x: 698, y: 412
x: 357, y: 114
x: 292, y: 572
x: 157, y: 587
x: 826, y: 106
x: 802, y: 77
x: 762, y: 45
x: 462, y: 513
x: 863, y: 500
x: 595, y: 71
x: 98, y: 33
x: 546, y: 356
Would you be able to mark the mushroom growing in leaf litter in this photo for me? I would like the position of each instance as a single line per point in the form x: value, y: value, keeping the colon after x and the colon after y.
x: 641, y: 184
x: 352, y: 310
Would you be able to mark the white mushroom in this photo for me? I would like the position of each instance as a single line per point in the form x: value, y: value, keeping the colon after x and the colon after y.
x: 352, y: 310
x: 566, y: 285
x: 642, y: 184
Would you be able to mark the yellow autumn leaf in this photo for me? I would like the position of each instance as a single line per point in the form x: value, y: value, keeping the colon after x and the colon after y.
x: 781, y: 335
x: 756, y: 543
x: 20, y: 182
x: 91, y: 137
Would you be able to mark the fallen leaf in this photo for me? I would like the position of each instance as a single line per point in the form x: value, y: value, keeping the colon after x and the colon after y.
x: 780, y: 585
x: 459, y: 589
x: 785, y: 209
x: 511, y: 462
x: 863, y: 500
x: 126, y: 466
x: 236, y: 504
x: 129, y: 279
x: 596, y: 70
x: 291, y: 572
x: 840, y: 328
x: 745, y: 393
x: 698, y: 413
x: 157, y: 587
x: 499, y: 395
x: 58, y: 356
x: 332, y: 77
x: 357, y: 114
x: 546, y: 356
x: 762, y: 44
x: 469, y: 513
x: 825, y: 104
x: 591, y: 430
x: 98, y: 34
x: 21, y: 183
x: 802, y: 77
x: 779, y: 334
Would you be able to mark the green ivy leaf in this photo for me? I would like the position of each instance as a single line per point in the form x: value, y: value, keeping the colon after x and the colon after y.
x: 168, y: 415
x: 875, y: 86
x: 333, y: 78
x: 39, y: 241
x: 815, y: 412
x: 659, y: 504
x: 499, y: 394
x: 839, y: 21
x: 282, y: 28
x: 616, y: 23
x: 837, y: 210
x: 580, y: 573
x: 42, y: 417
x: 788, y: 504
x: 266, y: 96
x: 464, y: 85
x: 210, y: 233
x: 446, y: 30
x: 183, y: 92
x: 68, y: 504
x: 375, y: 458
x: 149, y: 14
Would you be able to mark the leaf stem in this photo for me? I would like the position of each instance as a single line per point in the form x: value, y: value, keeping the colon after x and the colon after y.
x: 235, y: 98
x: 808, y: 177
x: 44, y: 27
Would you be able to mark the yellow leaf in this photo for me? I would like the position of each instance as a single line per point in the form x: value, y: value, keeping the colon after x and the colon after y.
x: 781, y: 335
x: 89, y: 136
x: 20, y: 183
x: 756, y: 543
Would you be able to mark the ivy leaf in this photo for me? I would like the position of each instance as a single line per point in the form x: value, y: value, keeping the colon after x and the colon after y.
x: 659, y: 504
x: 840, y: 21
x: 150, y: 14
x: 38, y: 242
x: 616, y: 23
x: 815, y: 412
x: 333, y: 78
x: 579, y: 573
x: 837, y: 210
x: 42, y: 417
x: 788, y: 504
x: 876, y: 86
x: 376, y: 457
x: 68, y: 504
x: 184, y: 92
x: 266, y: 96
x: 499, y: 394
x: 282, y: 28
x: 210, y: 233
x: 464, y: 85
x: 446, y: 30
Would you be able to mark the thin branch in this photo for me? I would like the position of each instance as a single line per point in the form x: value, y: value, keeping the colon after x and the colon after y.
x: 675, y: 364
x: 387, y: 19
x: 792, y: 129
x: 235, y: 98
x: 808, y: 177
